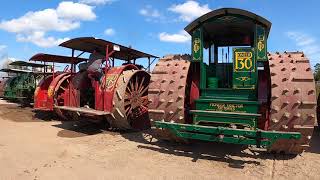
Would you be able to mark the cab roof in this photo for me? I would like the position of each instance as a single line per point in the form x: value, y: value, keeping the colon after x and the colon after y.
x: 13, y: 70
x: 27, y: 64
x: 228, y: 26
x: 56, y: 58
x: 89, y: 44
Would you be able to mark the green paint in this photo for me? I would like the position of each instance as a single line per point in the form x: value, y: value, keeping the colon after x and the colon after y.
x: 21, y: 87
x: 227, y: 135
x: 228, y: 105
x: 244, y: 68
x: 197, y: 45
x: 260, y: 43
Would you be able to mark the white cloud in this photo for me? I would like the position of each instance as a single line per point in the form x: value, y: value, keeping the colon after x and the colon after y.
x: 149, y: 11
x: 180, y: 37
x: 33, y: 26
x: 109, y: 32
x: 190, y: 10
x: 75, y: 11
x: 39, y: 39
x: 97, y: 2
x: 307, y: 43
x: 44, y: 20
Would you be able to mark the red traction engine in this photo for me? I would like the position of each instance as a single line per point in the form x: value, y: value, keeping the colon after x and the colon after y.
x: 118, y: 96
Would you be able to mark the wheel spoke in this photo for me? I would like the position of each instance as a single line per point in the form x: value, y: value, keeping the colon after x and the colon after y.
x: 143, y: 91
x: 127, y: 96
x: 131, y: 86
x: 141, y: 84
x: 128, y: 110
x: 128, y: 89
x: 136, y: 84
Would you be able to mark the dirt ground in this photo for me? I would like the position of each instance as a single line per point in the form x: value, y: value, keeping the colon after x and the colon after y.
x: 33, y: 148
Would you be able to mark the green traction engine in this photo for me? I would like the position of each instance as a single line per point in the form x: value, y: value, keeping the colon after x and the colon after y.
x: 232, y: 90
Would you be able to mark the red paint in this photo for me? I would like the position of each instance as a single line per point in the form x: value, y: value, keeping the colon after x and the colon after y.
x: 42, y: 100
x: 109, y: 89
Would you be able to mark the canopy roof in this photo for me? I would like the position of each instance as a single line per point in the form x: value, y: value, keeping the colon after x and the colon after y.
x: 13, y: 70
x: 228, y: 26
x: 24, y: 63
x: 56, y: 58
x: 89, y: 44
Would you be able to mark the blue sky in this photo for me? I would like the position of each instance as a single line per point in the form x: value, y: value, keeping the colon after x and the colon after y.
x: 156, y: 27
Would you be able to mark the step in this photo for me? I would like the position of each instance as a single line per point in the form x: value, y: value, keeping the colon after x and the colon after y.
x: 229, y: 93
x: 83, y: 110
x: 221, y: 117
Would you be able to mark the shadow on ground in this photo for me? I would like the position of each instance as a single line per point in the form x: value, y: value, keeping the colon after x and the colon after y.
x: 237, y: 156
x: 73, y: 129
x: 315, y: 141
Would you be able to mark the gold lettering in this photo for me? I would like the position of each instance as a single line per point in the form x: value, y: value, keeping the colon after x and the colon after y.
x: 243, y: 61
x: 226, y: 107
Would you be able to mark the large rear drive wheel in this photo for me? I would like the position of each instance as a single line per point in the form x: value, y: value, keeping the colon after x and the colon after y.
x: 171, y: 92
x: 293, y: 100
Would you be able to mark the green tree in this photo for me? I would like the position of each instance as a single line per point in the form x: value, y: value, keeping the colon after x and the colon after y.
x: 317, y: 72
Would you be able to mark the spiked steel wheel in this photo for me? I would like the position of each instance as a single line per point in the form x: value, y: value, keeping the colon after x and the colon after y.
x: 167, y: 92
x: 293, y: 100
x: 130, y: 109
